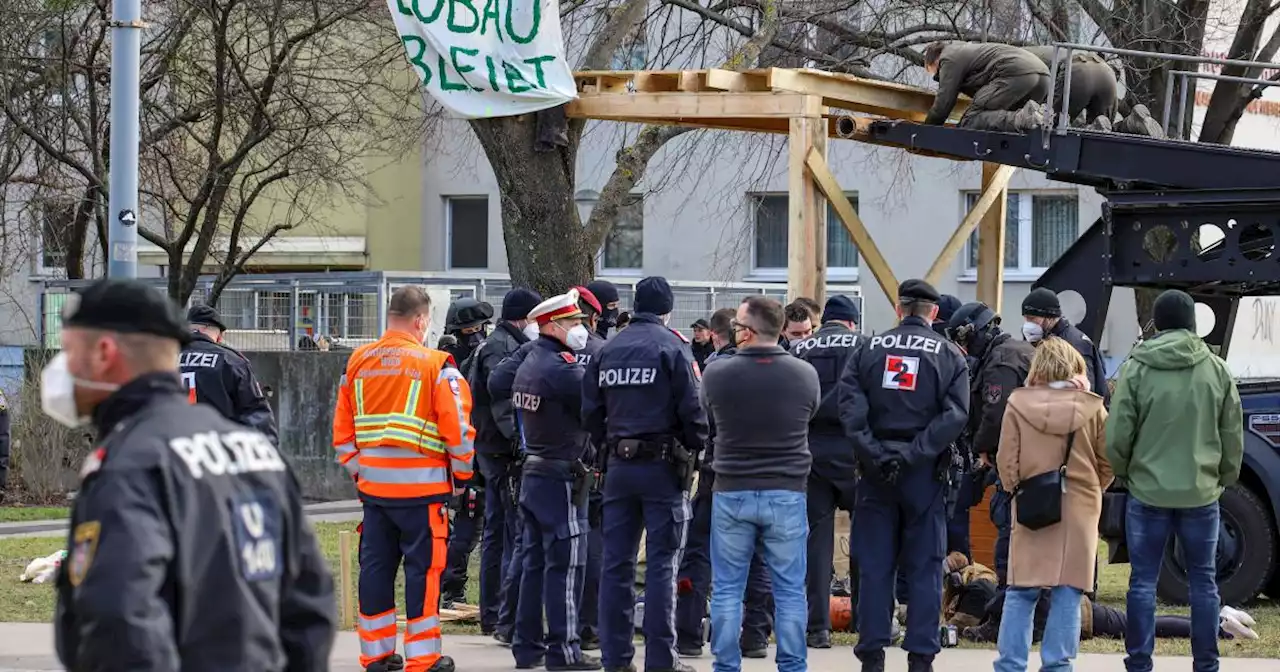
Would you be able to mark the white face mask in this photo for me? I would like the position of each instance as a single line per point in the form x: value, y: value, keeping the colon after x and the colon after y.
x: 531, y: 331
x: 666, y: 319
x: 1033, y: 332
x: 58, y: 392
x: 576, y: 338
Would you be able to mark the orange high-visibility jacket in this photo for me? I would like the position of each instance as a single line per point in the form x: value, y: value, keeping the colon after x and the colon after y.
x: 403, y: 423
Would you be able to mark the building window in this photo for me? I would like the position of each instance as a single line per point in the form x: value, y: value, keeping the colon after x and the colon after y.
x: 468, y: 226
x: 57, y: 221
x: 624, y: 246
x: 771, y: 235
x: 1038, y: 229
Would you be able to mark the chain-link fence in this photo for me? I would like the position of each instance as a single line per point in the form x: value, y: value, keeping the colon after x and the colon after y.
x: 306, y: 311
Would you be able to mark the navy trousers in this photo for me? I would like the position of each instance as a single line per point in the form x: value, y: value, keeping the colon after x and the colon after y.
x: 513, y: 571
x: 498, y: 540
x: 1001, y: 513
x: 555, y: 559
x: 832, y: 485
x: 589, y: 624
x: 902, y: 526
x: 695, y: 581
x: 468, y: 524
x: 641, y: 496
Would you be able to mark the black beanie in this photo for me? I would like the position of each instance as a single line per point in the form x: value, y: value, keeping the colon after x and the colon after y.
x: 653, y: 295
x: 518, y: 302
x: 840, y: 307
x: 1174, y: 309
x: 1041, y: 302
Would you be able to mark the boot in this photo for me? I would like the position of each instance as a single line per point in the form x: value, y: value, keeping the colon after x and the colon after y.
x: 1029, y: 117
x: 392, y: 663
x: 536, y: 663
x: 1139, y: 122
x: 872, y: 662
x: 444, y: 664
x: 451, y: 595
x: 626, y: 668
x: 1101, y: 124
x: 820, y: 639
x: 689, y: 650
x: 987, y: 632
x: 589, y: 642
x: 584, y: 663
x: 678, y: 667
x: 503, y: 637
x: 754, y: 649
x: 919, y: 663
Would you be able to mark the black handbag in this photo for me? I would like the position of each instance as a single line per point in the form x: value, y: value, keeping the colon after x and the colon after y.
x: 1039, y: 498
x: 1111, y: 523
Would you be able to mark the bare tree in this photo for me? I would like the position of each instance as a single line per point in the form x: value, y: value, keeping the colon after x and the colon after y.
x: 255, y: 116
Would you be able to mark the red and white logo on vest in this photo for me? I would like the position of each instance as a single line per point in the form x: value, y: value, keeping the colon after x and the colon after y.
x: 900, y: 373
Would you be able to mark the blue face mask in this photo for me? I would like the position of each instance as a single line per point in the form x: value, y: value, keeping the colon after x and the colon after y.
x: 1032, y: 332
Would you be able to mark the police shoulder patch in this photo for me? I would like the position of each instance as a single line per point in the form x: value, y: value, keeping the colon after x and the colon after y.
x: 682, y: 337
x: 84, y: 544
x: 992, y: 393
x: 569, y: 357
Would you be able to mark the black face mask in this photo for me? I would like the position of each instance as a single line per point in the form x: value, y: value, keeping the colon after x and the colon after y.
x: 466, y: 345
x: 607, y: 320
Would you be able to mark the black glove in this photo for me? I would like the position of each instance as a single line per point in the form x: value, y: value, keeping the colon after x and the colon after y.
x: 890, y: 468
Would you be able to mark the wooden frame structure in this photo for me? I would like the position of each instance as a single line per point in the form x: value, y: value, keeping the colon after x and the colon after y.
x: 810, y: 107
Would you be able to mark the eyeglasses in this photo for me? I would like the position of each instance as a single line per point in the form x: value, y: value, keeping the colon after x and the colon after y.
x: 738, y: 326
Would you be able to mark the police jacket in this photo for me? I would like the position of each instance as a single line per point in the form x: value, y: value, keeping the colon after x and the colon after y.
x: 189, y: 549
x: 595, y: 343
x: 728, y: 350
x: 221, y: 377
x: 644, y: 385
x: 547, y: 394
x: 1002, y: 368
x: 827, y: 350
x: 503, y: 378
x: 904, y: 393
x: 1094, y: 366
x: 494, y: 420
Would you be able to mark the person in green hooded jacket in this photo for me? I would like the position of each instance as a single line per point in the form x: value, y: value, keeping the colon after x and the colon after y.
x: 1176, y: 436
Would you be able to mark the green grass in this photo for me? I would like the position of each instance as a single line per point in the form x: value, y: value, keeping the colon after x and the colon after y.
x: 22, y: 514
x: 22, y: 602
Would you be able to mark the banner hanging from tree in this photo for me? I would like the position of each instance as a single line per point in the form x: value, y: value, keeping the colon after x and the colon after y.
x: 486, y: 58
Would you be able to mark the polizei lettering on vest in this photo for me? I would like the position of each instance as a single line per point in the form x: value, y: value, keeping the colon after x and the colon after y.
x: 907, y: 342
x: 526, y: 401
x: 622, y: 377
x: 226, y: 454
x: 824, y: 342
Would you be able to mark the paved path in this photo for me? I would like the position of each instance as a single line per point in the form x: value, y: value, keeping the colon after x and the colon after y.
x: 325, y: 512
x: 29, y: 647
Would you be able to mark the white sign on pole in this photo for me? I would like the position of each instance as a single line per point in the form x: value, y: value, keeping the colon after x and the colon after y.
x: 486, y: 58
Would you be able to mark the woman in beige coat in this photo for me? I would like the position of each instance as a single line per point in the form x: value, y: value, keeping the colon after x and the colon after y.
x: 1055, y: 405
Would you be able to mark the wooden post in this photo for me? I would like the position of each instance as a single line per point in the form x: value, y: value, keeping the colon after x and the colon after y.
x: 807, y: 212
x: 827, y: 184
x: 991, y: 234
x: 347, y: 594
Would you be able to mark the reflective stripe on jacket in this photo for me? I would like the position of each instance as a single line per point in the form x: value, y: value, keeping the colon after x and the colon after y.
x: 403, y: 420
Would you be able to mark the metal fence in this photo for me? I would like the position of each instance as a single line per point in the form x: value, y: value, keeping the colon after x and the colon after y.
x: 323, y: 310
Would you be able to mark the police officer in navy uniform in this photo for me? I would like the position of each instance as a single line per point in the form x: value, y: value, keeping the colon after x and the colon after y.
x: 189, y: 548
x: 497, y: 452
x: 589, y: 626
x: 904, y: 398
x: 553, y: 497
x: 466, y: 320
x: 607, y: 295
x: 640, y: 402
x: 217, y: 375
x: 1043, y: 314
x: 1002, y: 366
x: 832, y: 480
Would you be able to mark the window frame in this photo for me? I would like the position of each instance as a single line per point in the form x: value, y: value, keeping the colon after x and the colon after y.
x: 40, y: 268
x: 591, y: 197
x: 448, y: 231
x: 1024, y: 271
x: 834, y: 273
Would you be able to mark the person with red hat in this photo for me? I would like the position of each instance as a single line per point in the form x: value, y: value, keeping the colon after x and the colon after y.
x: 589, y: 630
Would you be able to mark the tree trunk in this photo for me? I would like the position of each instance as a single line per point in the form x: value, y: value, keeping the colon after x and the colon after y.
x: 546, y: 248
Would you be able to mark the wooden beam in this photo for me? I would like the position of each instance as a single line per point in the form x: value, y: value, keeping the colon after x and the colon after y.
x: 694, y: 106
x: 807, y: 216
x: 896, y: 101
x: 729, y: 80
x: 346, y: 591
x: 830, y: 187
x: 991, y: 192
x: 991, y: 239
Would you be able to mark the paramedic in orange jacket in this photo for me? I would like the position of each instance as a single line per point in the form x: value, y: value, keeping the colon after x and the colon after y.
x: 402, y: 429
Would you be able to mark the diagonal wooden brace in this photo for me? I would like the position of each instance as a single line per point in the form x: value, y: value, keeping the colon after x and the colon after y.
x: 994, y: 189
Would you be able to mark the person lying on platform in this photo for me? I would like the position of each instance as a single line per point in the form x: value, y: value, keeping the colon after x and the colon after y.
x: 1007, y: 85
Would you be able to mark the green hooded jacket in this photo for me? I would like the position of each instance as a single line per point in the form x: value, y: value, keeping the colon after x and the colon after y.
x: 1176, y: 429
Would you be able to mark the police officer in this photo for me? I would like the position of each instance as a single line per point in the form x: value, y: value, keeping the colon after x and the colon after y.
x: 590, y: 609
x: 1002, y: 366
x: 188, y: 545
x: 217, y: 375
x: 553, y: 498
x: 497, y: 451
x: 466, y: 320
x: 904, y: 398
x: 640, y: 402
x: 832, y: 483
x: 694, y: 583
x: 607, y: 295
x: 1043, y: 314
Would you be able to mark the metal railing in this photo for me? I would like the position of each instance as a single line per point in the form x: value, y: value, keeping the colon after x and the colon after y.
x: 1063, y: 51
x: 304, y: 311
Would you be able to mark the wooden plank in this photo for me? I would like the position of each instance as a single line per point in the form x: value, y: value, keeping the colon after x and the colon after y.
x: 694, y: 106
x: 653, y: 82
x: 991, y: 237
x: 887, y: 99
x: 991, y: 191
x: 827, y: 183
x: 693, y: 81
x: 347, y: 591
x: 806, y: 216
x: 729, y: 80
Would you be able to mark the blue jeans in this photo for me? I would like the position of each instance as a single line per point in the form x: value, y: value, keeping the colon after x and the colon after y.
x: 1147, y: 530
x: 1061, y: 631
x: 776, y: 520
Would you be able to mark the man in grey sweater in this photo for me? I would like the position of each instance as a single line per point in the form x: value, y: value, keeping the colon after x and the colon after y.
x: 760, y: 403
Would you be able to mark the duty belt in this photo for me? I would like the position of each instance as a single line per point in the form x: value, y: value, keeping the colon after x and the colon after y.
x: 643, y: 449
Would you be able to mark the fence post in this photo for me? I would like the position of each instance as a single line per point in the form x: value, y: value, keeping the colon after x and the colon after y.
x: 293, y: 315
x: 382, y: 307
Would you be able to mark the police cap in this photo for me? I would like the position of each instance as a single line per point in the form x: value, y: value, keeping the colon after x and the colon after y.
x: 206, y: 316
x: 915, y: 290
x: 467, y: 312
x: 126, y: 307
x: 587, y: 299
